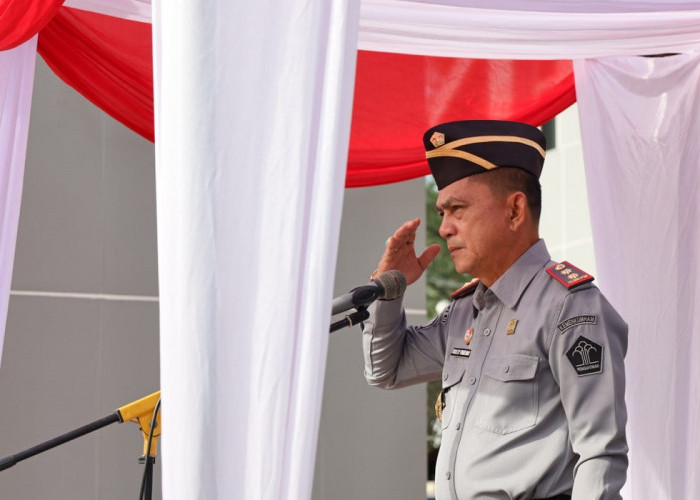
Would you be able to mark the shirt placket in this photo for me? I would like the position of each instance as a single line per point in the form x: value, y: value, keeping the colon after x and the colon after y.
x: 487, y: 310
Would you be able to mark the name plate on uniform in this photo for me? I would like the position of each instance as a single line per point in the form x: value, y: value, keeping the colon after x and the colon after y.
x: 461, y: 352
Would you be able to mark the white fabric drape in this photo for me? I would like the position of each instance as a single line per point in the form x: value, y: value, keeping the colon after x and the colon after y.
x: 252, y: 130
x: 16, y: 83
x: 640, y: 120
x: 134, y: 10
x: 623, y: 28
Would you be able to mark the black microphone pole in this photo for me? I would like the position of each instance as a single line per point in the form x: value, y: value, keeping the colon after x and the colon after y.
x: 351, y: 319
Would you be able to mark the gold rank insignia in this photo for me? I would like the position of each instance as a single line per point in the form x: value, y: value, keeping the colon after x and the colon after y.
x: 569, y: 275
x: 511, y: 326
x: 437, y: 139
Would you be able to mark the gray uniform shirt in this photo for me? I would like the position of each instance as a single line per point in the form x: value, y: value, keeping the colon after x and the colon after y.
x: 534, y: 403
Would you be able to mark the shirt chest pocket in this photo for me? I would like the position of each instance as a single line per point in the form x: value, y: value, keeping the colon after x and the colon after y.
x: 450, y: 389
x: 506, y: 400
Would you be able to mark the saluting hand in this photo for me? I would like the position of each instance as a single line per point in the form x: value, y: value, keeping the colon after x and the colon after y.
x: 400, y: 253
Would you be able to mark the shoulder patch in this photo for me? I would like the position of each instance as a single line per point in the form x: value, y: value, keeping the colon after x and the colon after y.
x: 569, y: 275
x: 467, y: 289
x: 586, y: 356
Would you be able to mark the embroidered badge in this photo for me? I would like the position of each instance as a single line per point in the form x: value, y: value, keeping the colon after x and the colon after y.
x: 569, y: 275
x: 437, y: 139
x: 586, y: 356
x: 468, y: 335
x: 511, y: 326
x: 462, y: 352
x: 586, y: 319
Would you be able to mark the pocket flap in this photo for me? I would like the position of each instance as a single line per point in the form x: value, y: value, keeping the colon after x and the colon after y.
x: 512, y: 367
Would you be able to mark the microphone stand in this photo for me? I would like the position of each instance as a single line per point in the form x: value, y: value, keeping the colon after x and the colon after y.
x: 351, y: 319
x: 143, y: 411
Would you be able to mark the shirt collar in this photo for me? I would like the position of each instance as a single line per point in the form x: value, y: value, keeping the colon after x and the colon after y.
x: 510, y: 287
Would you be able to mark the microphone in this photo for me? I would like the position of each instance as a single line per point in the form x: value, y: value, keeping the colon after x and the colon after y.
x: 389, y: 285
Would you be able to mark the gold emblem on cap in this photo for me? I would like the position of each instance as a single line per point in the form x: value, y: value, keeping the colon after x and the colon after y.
x: 437, y: 139
x: 511, y: 326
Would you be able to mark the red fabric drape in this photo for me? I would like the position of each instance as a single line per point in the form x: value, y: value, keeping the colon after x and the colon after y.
x: 107, y: 59
x: 397, y: 97
x: 22, y: 19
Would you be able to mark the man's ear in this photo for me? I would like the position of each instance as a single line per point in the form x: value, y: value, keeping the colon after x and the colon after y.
x: 517, y: 209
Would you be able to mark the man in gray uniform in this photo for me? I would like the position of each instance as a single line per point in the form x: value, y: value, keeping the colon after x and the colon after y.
x: 530, y: 354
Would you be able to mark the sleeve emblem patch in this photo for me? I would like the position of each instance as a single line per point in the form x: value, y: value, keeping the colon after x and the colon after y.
x: 586, y: 356
x: 587, y: 319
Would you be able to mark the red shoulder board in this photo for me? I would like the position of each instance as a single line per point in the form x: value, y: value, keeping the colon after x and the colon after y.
x: 569, y: 275
x: 467, y: 289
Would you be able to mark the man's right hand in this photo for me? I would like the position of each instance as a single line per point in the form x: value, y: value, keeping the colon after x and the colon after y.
x: 400, y: 253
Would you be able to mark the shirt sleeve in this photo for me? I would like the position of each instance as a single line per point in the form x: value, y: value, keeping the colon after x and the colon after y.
x: 397, y: 355
x: 589, y: 343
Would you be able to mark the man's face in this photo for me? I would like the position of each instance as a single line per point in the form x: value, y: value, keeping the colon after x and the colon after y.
x: 475, y: 225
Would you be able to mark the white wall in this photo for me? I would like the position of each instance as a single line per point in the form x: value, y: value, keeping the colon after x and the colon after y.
x: 565, y: 224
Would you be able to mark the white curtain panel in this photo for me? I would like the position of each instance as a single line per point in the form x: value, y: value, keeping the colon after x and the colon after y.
x: 562, y: 30
x: 253, y: 107
x: 16, y: 83
x: 640, y: 123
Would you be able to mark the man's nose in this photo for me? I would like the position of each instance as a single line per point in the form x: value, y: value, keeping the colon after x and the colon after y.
x: 446, y: 228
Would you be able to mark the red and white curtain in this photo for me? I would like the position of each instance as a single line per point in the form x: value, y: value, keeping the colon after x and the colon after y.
x: 252, y: 134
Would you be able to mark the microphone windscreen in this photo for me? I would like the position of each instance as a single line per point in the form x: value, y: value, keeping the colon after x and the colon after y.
x: 394, y: 284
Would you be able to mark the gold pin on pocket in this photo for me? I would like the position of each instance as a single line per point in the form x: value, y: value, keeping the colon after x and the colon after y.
x: 440, y: 405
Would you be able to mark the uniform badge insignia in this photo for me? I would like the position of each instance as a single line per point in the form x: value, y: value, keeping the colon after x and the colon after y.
x: 586, y: 356
x: 437, y: 139
x: 569, y: 275
x: 511, y: 326
x: 586, y: 319
x: 468, y: 335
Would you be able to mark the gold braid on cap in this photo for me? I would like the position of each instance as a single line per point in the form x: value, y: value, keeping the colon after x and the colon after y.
x: 450, y: 149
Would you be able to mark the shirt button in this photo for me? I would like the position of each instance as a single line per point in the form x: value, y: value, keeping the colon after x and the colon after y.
x: 487, y: 332
x: 444, y: 377
x: 459, y: 424
x: 448, y: 475
x: 506, y: 368
x: 472, y: 380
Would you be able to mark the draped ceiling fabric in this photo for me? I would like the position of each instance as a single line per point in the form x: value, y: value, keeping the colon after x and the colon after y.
x: 109, y: 62
x: 20, y: 20
x: 16, y: 83
x: 249, y: 174
x: 643, y: 116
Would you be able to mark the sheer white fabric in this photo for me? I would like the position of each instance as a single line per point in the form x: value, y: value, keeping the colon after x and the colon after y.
x: 135, y: 10
x: 252, y: 130
x: 640, y: 119
x: 413, y: 27
x: 16, y: 83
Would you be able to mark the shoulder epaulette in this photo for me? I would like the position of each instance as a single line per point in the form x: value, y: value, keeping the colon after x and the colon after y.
x: 569, y: 275
x: 467, y: 289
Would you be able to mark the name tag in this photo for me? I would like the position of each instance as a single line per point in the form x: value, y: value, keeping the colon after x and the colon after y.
x: 461, y: 352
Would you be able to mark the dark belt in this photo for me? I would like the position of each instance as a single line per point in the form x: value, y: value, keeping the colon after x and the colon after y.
x: 558, y: 497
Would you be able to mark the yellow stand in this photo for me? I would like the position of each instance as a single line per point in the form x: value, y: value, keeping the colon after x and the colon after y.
x: 141, y: 412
